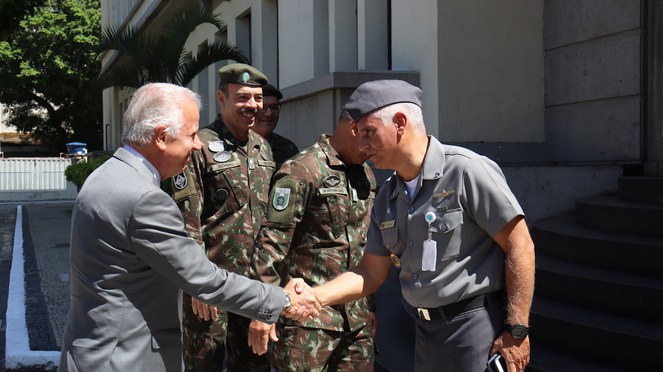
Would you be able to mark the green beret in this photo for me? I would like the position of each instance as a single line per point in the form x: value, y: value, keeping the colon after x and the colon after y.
x: 240, y: 73
x: 271, y: 91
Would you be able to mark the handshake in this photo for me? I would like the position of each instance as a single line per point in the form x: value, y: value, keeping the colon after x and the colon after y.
x: 304, y: 305
x: 303, y: 302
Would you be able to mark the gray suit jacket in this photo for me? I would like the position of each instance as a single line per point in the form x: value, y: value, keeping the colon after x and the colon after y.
x: 130, y: 258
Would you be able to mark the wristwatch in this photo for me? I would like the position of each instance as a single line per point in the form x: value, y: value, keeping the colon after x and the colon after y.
x: 287, y: 301
x: 518, y: 331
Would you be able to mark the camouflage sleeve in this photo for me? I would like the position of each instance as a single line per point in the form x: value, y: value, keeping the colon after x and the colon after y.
x: 285, y: 209
x: 186, y: 189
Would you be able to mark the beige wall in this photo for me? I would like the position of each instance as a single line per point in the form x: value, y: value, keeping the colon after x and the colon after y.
x: 490, y: 70
x: 480, y: 63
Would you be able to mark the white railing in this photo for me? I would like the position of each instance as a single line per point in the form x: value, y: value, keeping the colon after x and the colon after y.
x: 35, y: 179
x: 23, y: 174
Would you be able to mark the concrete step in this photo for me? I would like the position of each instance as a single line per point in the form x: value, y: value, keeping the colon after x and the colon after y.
x: 561, y: 237
x: 620, y: 342
x: 544, y: 359
x: 641, y: 189
x: 618, y: 293
x: 609, y: 213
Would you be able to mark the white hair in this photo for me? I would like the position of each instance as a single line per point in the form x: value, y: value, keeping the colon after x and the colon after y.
x: 411, y: 110
x: 152, y: 105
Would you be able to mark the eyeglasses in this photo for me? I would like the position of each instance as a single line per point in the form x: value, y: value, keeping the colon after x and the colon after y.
x: 275, y: 107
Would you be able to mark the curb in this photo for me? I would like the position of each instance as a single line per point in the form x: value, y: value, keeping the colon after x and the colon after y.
x: 17, y: 345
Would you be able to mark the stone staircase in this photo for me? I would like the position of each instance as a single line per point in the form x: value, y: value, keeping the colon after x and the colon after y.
x: 598, y: 302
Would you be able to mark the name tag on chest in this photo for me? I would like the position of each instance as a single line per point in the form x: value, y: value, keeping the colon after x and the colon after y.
x: 333, y: 191
x: 222, y: 166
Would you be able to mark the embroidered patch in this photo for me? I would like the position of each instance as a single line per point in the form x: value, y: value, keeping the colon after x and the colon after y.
x: 179, y: 181
x: 332, y: 181
x: 281, y: 198
x: 332, y: 191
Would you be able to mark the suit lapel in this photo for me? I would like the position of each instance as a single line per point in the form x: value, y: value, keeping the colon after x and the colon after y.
x: 134, y: 162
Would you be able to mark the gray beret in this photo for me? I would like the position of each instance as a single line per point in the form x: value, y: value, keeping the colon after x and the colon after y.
x: 374, y: 95
x: 240, y: 73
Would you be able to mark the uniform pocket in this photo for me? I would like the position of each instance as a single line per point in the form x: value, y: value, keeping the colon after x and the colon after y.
x: 447, y: 228
x: 228, y: 191
x: 390, y: 238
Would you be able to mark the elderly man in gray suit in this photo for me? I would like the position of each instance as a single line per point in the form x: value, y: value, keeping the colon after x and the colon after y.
x: 130, y: 257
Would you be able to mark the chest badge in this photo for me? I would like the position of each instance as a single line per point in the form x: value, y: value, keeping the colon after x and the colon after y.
x: 444, y: 193
x: 332, y: 181
x: 281, y: 198
x: 179, y: 181
x: 216, y: 146
x: 222, y: 156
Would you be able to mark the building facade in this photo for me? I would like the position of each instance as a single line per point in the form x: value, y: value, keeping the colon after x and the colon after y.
x: 555, y: 91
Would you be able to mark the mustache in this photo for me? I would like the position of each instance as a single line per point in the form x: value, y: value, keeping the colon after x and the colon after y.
x: 250, y: 111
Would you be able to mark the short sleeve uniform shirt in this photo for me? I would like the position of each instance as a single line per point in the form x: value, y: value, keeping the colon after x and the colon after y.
x: 471, y: 201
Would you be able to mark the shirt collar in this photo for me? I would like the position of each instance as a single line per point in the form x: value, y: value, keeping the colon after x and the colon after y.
x: 155, y: 173
x: 432, y: 168
x: 333, y: 158
x: 434, y: 160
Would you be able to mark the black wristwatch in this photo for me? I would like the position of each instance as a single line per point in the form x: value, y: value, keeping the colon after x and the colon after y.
x: 518, y: 331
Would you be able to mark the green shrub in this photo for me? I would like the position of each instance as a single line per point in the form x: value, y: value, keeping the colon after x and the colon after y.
x: 77, y: 173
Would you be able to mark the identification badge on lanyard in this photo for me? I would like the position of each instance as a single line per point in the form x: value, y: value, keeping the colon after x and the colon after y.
x: 429, y: 255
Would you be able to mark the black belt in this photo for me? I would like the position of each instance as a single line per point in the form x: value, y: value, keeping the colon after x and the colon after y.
x: 451, y: 310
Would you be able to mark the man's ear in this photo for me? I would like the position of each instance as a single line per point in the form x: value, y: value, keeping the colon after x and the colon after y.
x: 401, y: 121
x: 220, y: 97
x: 160, y: 136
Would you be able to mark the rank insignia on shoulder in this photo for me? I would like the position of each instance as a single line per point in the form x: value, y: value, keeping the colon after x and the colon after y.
x: 332, y: 181
x: 179, y: 181
x: 281, y: 198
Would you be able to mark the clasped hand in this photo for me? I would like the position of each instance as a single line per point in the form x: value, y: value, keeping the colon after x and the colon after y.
x: 303, y: 302
x: 303, y: 305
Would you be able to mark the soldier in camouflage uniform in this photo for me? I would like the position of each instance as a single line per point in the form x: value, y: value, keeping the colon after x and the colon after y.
x: 223, y: 195
x: 282, y: 148
x: 316, y: 225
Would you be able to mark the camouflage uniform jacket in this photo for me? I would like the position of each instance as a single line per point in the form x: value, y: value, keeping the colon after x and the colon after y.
x: 223, y: 195
x: 282, y: 148
x: 316, y: 225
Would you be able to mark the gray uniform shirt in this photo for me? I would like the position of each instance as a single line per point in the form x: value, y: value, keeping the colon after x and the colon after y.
x: 471, y: 201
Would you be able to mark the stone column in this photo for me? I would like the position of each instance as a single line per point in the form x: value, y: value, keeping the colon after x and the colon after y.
x: 654, y: 137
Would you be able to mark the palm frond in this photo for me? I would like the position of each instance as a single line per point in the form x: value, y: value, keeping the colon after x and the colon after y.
x: 207, y: 55
x: 127, y: 41
x: 180, y: 28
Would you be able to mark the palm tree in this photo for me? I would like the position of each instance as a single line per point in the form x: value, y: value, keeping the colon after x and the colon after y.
x: 144, y: 59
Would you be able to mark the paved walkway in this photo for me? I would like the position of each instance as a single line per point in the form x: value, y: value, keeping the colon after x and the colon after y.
x: 37, y: 296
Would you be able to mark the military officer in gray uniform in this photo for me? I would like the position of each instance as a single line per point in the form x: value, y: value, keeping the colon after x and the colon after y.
x: 448, y: 218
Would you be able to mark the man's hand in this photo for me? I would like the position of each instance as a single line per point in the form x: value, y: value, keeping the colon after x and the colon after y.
x: 515, y: 352
x: 303, y: 303
x: 259, y: 336
x: 203, y: 310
